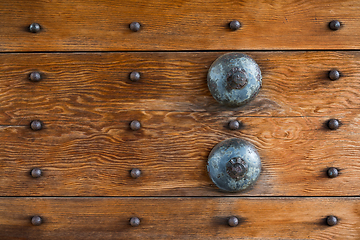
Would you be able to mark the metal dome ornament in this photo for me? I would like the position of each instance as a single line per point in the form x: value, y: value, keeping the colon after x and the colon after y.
x: 234, y: 165
x: 234, y: 79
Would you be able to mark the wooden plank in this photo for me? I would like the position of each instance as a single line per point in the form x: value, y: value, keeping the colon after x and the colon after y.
x: 82, y: 25
x: 92, y: 87
x: 179, y: 218
x: 95, y: 158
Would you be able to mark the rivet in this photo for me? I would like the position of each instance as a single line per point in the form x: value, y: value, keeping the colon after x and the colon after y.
x: 36, y: 125
x: 234, y: 124
x: 34, y: 28
x: 331, y: 220
x: 135, y: 26
x: 36, y: 172
x: 332, y: 172
x: 333, y: 124
x: 234, y: 25
x: 35, y: 77
x: 135, y: 173
x: 334, y: 75
x: 233, y: 221
x: 36, y: 220
x: 135, y: 125
x: 334, y: 25
x: 134, y: 221
x: 135, y: 76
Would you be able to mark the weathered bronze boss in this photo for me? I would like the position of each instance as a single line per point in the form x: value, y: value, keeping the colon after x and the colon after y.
x: 234, y: 79
x: 234, y: 165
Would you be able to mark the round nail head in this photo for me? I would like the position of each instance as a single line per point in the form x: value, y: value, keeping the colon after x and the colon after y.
x: 36, y: 220
x: 334, y: 25
x: 134, y: 221
x: 135, y: 26
x: 135, y: 125
x: 36, y: 125
x: 234, y: 125
x: 135, y: 173
x: 234, y: 25
x: 332, y: 172
x: 34, y: 28
x: 36, y: 173
x: 35, y: 77
x: 135, y: 76
x: 233, y: 221
x: 334, y: 75
x: 331, y: 220
x: 333, y: 124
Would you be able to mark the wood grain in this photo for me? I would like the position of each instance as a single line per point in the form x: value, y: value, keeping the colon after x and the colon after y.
x: 179, y: 218
x: 94, y: 158
x: 95, y: 86
x: 82, y: 25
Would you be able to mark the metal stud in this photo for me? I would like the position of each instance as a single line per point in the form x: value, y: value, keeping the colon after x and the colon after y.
x: 233, y: 221
x: 134, y: 221
x: 234, y: 25
x: 36, y: 125
x: 36, y: 172
x: 234, y: 125
x: 333, y: 124
x: 135, y: 173
x: 334, y: 75
x: 135, y: 76
x: 334, y: 25
x: 34, y: 28
x: 35, y: 77
x: 332, y: 172
x: 331, y: 220
x: 135, y: 26
x: 135, y: 125
x: 36, y: 220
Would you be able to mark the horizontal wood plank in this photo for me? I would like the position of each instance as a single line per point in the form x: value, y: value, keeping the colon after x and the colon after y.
x: 94, y: 158
x: 82, y: 25
x: 93, y: 87
x: 179, y: 218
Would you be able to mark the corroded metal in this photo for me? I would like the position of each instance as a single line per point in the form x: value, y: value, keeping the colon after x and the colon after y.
x: 234, y: 79
x: 234, y: 165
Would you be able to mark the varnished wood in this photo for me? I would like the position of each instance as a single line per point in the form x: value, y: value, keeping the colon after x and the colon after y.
x: 94, y: 87
x: 178, y: 25
x: 80, y: 158
x: 179, y: 218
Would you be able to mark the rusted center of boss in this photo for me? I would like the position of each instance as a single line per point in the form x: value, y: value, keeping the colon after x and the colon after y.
x: 236, y: 168
x: 236, y: 78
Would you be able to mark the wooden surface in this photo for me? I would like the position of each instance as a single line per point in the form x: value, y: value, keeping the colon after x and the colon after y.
x: 96, y: 86
x: 94, y: 158
x: 83, y: 25
x: 179, y: 218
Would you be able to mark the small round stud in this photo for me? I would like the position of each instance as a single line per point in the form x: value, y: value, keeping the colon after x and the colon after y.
x: 34, y: 28
x: 35, y: 77
x: 334, y: 25
x: 332, y: 172
x: 36, y: 125
x: 234, y: 25
x: 135, y: 125
x: 135, y: 26
x: 333, y: 124
x: 331, y: 220
x: 135, y: 76
x: 135, y: 173
x: 36, y: 172
x: 334, y: 75
x: 233, y: 221
x: 234, y: 125
x: 36, y: 220
x: 134, y: 221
